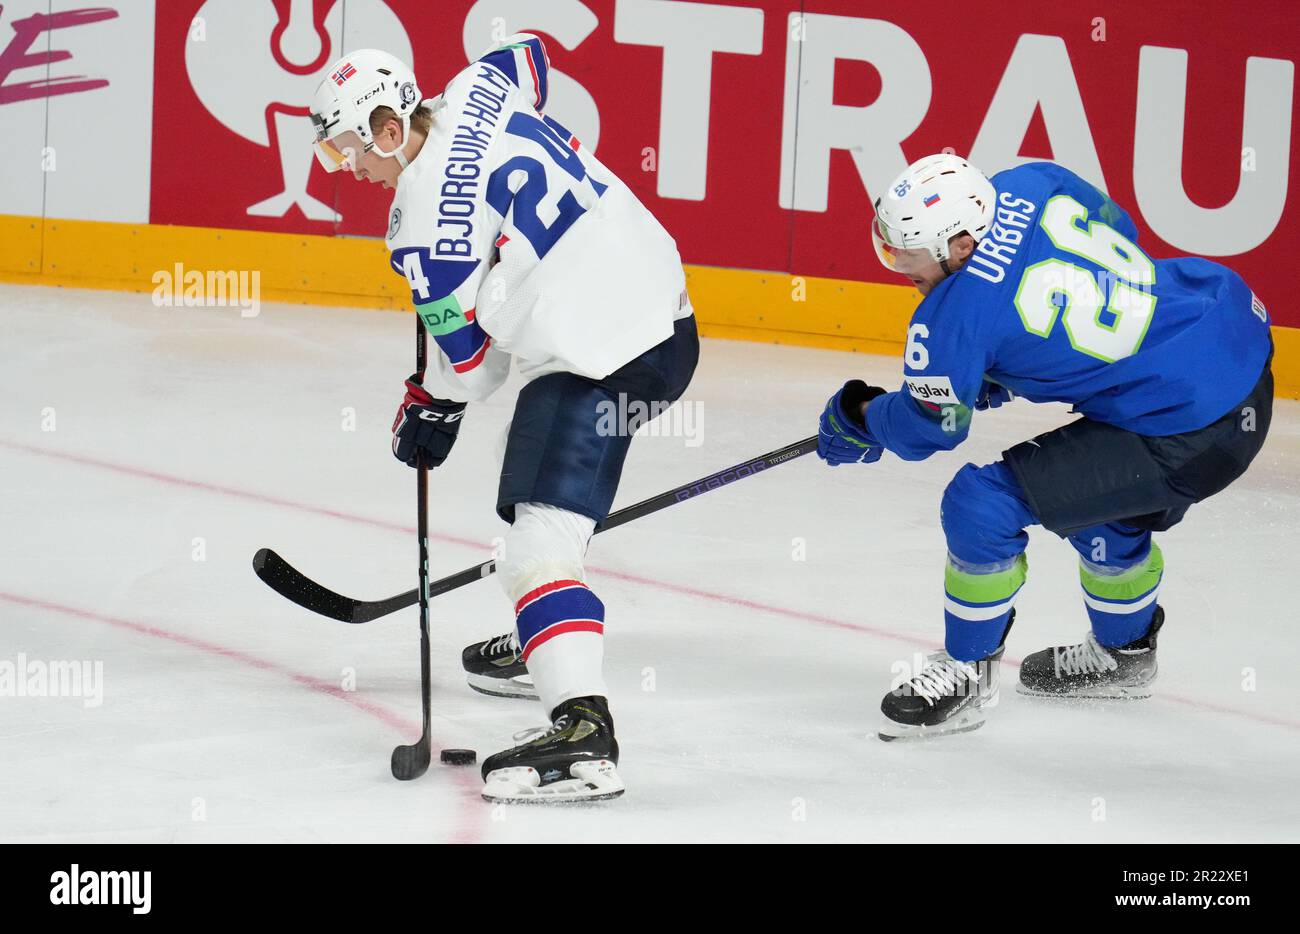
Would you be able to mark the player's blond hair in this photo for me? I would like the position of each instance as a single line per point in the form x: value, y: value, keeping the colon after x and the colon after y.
x: 421, y: 118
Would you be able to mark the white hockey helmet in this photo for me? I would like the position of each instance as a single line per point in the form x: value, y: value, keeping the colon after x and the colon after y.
x: 935, y: 198
x: 353, y: 87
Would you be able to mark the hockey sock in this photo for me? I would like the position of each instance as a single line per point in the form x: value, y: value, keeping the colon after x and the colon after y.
x: 1122, y: 600
x: 978, y: 599
x: 561, y: 627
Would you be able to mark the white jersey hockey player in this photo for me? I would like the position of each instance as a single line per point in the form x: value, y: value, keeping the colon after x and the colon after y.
x: 517, y: 243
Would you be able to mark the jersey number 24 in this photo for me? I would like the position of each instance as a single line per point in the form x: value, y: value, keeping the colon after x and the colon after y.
x: 554, y: 140
x: 1105, y: 314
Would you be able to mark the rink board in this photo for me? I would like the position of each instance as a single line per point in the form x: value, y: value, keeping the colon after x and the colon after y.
x: 736, y: 304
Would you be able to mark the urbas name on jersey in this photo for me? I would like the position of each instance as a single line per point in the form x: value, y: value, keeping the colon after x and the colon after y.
x: 1058, y: 303
x: 516, y: 241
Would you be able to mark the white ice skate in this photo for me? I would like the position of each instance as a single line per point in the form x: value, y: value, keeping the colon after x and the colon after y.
x: 573, y: 759
x: 588, y: 781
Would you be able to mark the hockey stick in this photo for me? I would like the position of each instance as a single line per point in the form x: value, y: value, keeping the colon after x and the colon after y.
x: 290, y: 583
x: 409, y: 762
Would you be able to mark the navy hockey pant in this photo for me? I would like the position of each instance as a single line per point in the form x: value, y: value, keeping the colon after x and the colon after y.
x: 1105, y: 490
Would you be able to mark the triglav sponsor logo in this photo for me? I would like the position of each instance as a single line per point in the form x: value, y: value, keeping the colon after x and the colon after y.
x: 936, y: 389
x: 24, y: 677
x: 87, y: 887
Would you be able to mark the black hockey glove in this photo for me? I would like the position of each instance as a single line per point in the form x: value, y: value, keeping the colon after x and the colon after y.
x: 425, y: 427
x: 992, y: 396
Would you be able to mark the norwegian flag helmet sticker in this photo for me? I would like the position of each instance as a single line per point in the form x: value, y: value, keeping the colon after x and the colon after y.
x: 345, y: 72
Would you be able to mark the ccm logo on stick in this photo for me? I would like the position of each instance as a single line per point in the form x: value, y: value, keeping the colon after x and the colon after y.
x: 936, y: 389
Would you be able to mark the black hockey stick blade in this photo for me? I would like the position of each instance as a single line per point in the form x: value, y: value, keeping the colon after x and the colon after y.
x: 292, y: 584
x: 410, y: 762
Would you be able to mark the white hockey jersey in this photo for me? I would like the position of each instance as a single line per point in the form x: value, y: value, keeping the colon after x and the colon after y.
x: 517, y: 242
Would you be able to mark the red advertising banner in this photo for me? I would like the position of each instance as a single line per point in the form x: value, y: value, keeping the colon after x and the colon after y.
x: 759, y: 131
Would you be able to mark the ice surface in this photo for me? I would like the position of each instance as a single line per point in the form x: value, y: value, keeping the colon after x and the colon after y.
x: 745, y: 683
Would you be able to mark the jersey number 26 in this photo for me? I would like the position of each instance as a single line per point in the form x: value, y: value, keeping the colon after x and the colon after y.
x: 1105, y: 314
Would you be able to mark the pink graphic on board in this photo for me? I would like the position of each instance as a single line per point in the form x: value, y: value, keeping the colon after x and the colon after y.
x: 19, y: 54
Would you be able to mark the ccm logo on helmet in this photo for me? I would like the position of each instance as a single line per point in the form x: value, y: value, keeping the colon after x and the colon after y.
x: 369, y: 94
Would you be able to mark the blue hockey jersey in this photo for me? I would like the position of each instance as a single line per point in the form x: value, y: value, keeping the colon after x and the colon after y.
x: 1059, y: 304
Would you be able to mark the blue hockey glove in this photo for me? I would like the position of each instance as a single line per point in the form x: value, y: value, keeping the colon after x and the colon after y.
x: 842, y: 437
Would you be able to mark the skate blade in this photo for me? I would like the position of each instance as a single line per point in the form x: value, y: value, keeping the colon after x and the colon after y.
x: 521, y: 686
x: 1107, y: 692
x: 964, y: 722
x: 590, y: 781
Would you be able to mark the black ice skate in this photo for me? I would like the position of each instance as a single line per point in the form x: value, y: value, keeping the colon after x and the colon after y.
x: 573, y: 760
x: 1089, y: 669
x: 494, y: 667
x: 945, y: 696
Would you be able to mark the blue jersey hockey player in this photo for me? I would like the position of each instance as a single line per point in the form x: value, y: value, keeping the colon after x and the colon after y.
x: 1034, y: 286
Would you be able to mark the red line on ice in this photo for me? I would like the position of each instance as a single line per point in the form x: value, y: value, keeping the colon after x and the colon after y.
x: 200, y: 485
x: 469, y: 830
x: 657, y: 583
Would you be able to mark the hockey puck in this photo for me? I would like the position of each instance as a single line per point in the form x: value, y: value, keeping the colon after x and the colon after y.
x: 458, y: 756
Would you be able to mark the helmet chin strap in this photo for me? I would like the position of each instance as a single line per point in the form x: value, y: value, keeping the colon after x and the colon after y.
x: 397, y: 153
